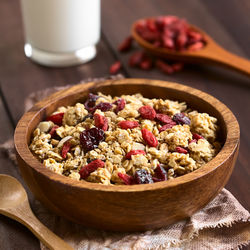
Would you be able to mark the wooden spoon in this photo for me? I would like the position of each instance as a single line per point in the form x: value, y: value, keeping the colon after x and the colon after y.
x: 14, y: 204
x: 211, y: 53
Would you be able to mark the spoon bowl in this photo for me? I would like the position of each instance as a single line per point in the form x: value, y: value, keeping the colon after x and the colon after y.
x: 12, y: 192
x: 211, y: 53
x: 15, y: 205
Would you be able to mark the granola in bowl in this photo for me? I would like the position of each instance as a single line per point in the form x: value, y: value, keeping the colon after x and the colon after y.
x: 125, y: 140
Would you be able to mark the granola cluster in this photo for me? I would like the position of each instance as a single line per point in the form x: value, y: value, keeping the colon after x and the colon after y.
x: 125, y: 140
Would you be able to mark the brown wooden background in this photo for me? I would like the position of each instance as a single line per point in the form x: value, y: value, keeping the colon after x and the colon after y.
x: 227, y: 21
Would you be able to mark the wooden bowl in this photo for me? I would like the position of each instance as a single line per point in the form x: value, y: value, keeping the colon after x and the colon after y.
x: 136, y: 207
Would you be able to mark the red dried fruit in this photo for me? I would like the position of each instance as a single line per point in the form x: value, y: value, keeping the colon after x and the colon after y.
x: 56, y: 118
x: 120, y: 105
x: 90, y: 138
x: 192, y: 141
x: 90, y: 102
x: 146, y: 63
x: 103, y: 106
x: 143, y: 177
x: 166, y: 126
x: 115, y: 67
x: 65, y: 149
x: 126, y: 44
x: 91, y: 167
x: 164, y: 67
x: 168, y: 42
x: 134, y: 152
x: 151, y: 25
x: 52, y: 132
x: 181, y: 40
x: 164, y: 118
x: 127, y: 179
x: 195, y: 36
x: 101, y: 122
x: 196, y: 46
x: 149, y: 138
x: 197, y: 136
x: 160, y: 174
x: 181, y: 150
x: 177, y: 66
x: 136, y: 58
x: 147, y: 112
x: 181, y: 118
x: 128, y: 124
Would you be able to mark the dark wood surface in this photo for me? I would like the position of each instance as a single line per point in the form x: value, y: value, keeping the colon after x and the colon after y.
x: 228, y: 22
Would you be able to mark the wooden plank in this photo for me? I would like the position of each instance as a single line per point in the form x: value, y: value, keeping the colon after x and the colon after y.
x: 13, y: 234
x: 230, y: 88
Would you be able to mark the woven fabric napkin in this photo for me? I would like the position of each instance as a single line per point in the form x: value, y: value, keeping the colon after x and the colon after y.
x: 222, y: 224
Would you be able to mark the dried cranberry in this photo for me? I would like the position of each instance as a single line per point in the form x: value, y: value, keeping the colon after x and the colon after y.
x: 196, y: 46
x: 126, y: 44
x: 181, y: 150
x: 149, y: 138
x: 65, y: 149
x: 136, y: 59
x: 91, y: 167
x: 177, y: 66
x: 166, y: 126
x: 90, y: 138
x: 120, y: 105
x: 160, y: 174
x: 103, y: 106
x: 143, y: 177
x: 197, y: 136
x: 134, y: 152
x: 128, y: 124
x: 90, y: 102
x: 101, y: 122
x: 52, y: 132
x: 56, y: 118
x: 146, y: 63
x: 164, y: 118
x: 181, y: 118
x: 147, y: 112
x: 115, y: 67
x: 127, y: 179
x: 164, y: 67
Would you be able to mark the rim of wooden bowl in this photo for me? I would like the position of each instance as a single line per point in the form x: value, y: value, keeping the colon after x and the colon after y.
x: 230, y: 145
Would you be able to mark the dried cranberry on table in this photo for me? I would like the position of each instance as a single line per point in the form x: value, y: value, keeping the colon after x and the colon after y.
x: 147, y: 112
x: 127, y: 179
x: 134, y: 152
x: 181, y: 118
x: 91, y: 167
x: 115, y: 67
x: 143, y: 177
x: 136, y: 58
x: 149, y: 138
x: 90, y: 138
x: 128, y: 124
x: 56, y: 118
x: 164, y: 67
x: 126, y: 44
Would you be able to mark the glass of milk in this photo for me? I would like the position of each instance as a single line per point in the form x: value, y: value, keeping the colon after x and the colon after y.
x: 61, y: 32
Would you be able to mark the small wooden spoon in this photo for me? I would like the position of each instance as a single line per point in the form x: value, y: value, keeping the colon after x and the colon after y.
x: 14, y: 204
x: 211, y: 53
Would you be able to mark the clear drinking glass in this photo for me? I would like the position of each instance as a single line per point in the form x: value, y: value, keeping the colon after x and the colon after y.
x: 61, y: 32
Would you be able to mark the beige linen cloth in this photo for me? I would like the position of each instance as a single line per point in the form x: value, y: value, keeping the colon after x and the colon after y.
x: 222, y: 224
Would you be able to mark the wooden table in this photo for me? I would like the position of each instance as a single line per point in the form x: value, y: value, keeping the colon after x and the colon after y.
x: 228, y: 22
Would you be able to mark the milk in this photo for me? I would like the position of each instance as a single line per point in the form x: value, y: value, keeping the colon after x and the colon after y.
x: 57, y: 30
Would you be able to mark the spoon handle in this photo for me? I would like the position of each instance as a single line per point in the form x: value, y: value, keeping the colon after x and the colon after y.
x: 229, y: 60
x: 25, y: 216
